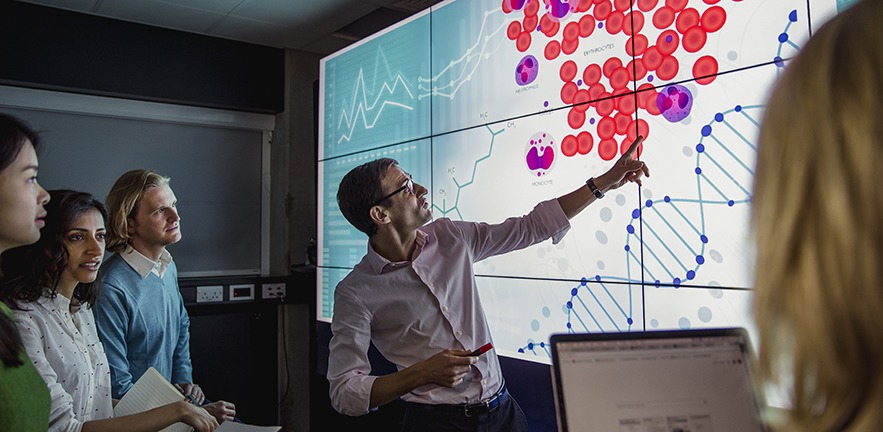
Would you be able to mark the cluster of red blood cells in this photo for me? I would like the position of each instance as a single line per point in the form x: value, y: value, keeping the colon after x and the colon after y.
x: 608, y: 88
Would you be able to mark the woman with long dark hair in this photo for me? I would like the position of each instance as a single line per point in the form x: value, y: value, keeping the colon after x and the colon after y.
x: 24, y: 399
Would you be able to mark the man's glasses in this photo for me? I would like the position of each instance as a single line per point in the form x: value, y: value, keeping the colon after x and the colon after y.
x: 409, y: 185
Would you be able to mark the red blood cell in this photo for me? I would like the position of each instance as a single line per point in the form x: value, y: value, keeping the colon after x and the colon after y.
x: 586, y: 26
x: 622, y: 122
x: 677, y: 5
x: 686, y: 19
x: 602, y: 10
x: 643, y: 129
x: 606, y: 128
x: 667, y: 42
x: 569, y: 145
x: 647, y: 5
x: 583, y: 5
x: 611, y: 65
x: 705, y: 70
x: 713, y: 19
x: 607, y: 149
x: 636, y: 45
x: 580, y: 100
x: 513, y: 30
x: 604, y: 107
x: 651, y: 106
x: 569, y: 46
x: 622, y: 5
x: 645, y: 91
x: 532, y: 8
x: 523, y: 42
x: 626, y: 143
x: 626, y: 105
x: 615, y: 22
x: 652, y: 58
x: 619, y: 79
x: 634, y: 22
x: 568, y: 71
x: 571, y: 31
x: 576, y: 119
x: 548, y: 26
x: 663, y: 17
x: 596, y: 90
x: 585, y: 141
x: 711, y: 1
x: 530, y: 23
x: 567, y: 91
x: 553, y: 48
x: 694, y: 39
x: 668, y: 69
x: 592, y: 74
x: 506, y: 8
x: 636, y: 70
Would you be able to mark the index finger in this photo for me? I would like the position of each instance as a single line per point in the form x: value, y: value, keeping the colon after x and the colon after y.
x: 633, y: 147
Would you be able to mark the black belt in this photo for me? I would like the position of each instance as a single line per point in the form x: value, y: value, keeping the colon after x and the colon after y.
x: 468, y: 410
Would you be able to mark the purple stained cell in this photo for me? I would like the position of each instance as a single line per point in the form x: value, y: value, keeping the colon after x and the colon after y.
x: 675, y: 103
x: 527, y: 70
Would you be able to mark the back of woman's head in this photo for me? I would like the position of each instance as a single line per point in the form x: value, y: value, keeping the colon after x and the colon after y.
x: 33, y: 271
x: 817, y: 207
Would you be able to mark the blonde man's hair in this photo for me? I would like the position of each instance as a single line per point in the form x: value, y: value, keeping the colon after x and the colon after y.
x: 818, y: 220
x: 122, y: 203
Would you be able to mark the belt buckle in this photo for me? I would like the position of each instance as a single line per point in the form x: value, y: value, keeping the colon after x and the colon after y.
x: 485, y: 405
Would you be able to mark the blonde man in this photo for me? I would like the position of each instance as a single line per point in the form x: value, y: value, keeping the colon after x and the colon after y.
x: 140, y: 314
x: 817, y: 213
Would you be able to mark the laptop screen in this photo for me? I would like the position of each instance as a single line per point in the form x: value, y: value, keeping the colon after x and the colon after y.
x: 657, y: 381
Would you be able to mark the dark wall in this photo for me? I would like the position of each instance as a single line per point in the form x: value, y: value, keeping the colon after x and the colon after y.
x: 54, y: 49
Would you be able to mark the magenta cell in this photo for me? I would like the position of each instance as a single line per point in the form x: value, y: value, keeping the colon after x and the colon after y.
x: 540, y: 154
x: 674, y: 102
x: 527, y: 70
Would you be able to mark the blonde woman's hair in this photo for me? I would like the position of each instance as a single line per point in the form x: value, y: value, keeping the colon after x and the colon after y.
x: 818, y: 220
x: 122, y: 203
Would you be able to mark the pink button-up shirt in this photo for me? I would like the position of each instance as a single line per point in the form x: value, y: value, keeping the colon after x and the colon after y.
x: 411, y: 310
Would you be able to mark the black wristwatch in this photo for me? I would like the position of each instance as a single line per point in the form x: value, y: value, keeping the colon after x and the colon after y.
x: 595, y: 191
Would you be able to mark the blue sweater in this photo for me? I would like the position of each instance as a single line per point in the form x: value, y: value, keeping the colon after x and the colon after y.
x: 142, y: 323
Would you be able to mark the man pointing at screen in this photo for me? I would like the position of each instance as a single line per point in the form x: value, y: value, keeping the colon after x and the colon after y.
x: 414, y: 295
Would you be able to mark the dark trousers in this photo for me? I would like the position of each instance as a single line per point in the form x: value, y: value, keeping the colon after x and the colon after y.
x: 506, y: 417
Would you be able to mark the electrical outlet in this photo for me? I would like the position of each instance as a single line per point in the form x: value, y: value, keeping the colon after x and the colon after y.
x: 273, y: 290
x: 207, y: 294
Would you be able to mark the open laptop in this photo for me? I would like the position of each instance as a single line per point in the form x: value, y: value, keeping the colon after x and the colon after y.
x: 655, y: 381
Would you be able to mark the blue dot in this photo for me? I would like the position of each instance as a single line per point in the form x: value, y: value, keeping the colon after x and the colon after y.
x: 691, y: 274
x: 700, y: 148
x: 649, y: 203
x: 704, y: 238
x: 649, y: 78
x: 569, y: 325
x: 542, y: 344
x: 628, y: 248
x: 579, y: 82
x: 700, y: 259
x: 731, y: 203
x: 539, y: 28
x: 667, y: 198
x: 546, y: 103
x: 598, y: 278
x: 698, y: 170
x: 592, y: 120
x: 583, y: 281
x: 600, y: 25
x: 530, y: 346
x: 636, y: 213
x: 779, y: 62
x: 668, y: 38
x: 738, y: 108
x: 630, y: 321
x: 793, y: 16
x: 630, y: 229
x: 706, y: 130
x: 657, y: 283
x: 570, y: 305
x: 783, y: 37
x: 521, y: 350
x: 574, y: 292
x: 719, y: 117
x: 677, y: 282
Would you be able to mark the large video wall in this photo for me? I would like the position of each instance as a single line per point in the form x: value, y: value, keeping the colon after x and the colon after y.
x: 496, y: 105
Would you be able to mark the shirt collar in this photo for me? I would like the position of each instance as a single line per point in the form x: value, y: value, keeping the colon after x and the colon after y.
x: 378, y: 263
x: 143, y: 265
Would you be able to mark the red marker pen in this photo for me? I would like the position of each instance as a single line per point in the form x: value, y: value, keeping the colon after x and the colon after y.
x: 484, y: 348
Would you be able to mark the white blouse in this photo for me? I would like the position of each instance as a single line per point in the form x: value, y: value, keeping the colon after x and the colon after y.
x: 67, y: 353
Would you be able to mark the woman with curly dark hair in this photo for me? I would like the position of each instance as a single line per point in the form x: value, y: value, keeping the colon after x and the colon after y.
x: 51, y: 286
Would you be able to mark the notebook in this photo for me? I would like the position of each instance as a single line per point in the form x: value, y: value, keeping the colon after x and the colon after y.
x: 656, y: 381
